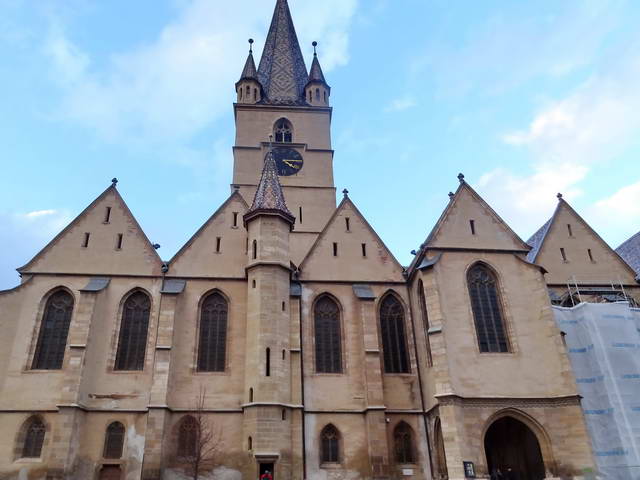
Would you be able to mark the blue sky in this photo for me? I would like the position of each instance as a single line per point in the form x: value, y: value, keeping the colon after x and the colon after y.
x: 527, y: 98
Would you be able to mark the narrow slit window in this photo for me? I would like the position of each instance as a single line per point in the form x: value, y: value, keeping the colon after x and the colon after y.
x: 283, y: 307
x: 255, y: 249
x: 250, y: 443
x: 255, y: 94
x: 85, y: 242
x: 347, y: 222
x: 218, y: 244
x: 107, y: 215
x: 284, y: 414
x: 364, y: 249
x: 335, y: 249
x: 564, y: 255
x: 570, y: 230
x: 300, y: 216
x: 119, y: 241
x: 268, y: 363
x: 591, y: 255
x: 251, y: 395
x: 235, y: 219
x: 472, y: 224
x: 253, y: 284
x: 284, y: 354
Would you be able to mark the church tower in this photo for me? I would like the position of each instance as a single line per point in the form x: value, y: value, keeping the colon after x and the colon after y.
x: 268, y: 376
x: 282, y: 99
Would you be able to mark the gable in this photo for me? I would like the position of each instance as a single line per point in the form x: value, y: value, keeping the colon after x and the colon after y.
x: 105, y: 239
x: 588, y: 257
x: 489, y: 231
x: 351, y: 264
x: 218, y: 249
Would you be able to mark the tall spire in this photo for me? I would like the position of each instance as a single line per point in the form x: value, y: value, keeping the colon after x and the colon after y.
x: 315, y: 74
x: 282, y: 71
x: 249, y: 71
x: 269, y: 197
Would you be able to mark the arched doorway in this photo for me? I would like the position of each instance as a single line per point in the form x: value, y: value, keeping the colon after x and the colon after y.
x: 110, y: 472
x: 510, y: 444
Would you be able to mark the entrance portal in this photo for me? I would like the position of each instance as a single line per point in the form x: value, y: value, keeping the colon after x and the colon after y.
x: 510, y: 444
x: 110, y: 472
x: 267, y: 467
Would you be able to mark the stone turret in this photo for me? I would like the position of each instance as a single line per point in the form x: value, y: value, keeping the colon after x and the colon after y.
x: 267, y: 411
x: 317, y: 91
x: 248, y: 87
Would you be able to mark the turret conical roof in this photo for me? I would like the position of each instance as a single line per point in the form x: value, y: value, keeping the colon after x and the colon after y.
x: 282, y: 71
x: 249, y: 71
x: 316, y: 75
x: 269, y: 197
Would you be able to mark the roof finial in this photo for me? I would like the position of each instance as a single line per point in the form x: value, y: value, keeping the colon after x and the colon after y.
x: 451, y: 195
x: 114, y: 182
x: 559, y: 196
x: 345, y: 192
x: 461, y: 177
x: 315, y: 44
x: 251, y: 45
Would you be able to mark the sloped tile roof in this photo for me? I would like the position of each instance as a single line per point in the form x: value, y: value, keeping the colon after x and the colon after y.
x: 269, y: 196
x: 537, y: 240
x: 630, y: 252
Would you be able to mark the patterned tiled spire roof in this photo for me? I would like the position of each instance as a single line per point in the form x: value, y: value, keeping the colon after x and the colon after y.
x: 282, y: 71
x: 269, y: 197
x: 249, y: 71
x: 316, y: 75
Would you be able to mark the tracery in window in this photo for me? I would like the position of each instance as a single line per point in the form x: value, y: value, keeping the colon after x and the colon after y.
x: 327, y: 336
x: 114, y: 441
x: 283, y: 131
x: 330, y: 445
x: 187, y: 437
x: 54, y: 329
x: 34, y: 432
x: 392, y: 331
x: 213, y: 334
x: 487, y: 310
x: 132, y: 342
x: 403, y: 442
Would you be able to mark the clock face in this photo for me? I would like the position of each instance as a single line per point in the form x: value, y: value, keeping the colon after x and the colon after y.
x: 288, y: 161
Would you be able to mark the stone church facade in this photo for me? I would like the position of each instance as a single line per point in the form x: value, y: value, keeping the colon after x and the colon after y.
x: 288, y: 328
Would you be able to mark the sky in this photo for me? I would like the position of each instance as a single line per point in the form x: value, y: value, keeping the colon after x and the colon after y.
x: 526, y: 98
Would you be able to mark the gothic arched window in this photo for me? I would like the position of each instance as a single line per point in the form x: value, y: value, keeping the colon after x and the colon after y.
x: 330, y: 445
x: 52, y: 339
x: 394, y: 344
x: 132, y: 342
x: 403, y: 442
x: 114, y: 441
x: 33, y: 431
x: 212, y: 347
x: 187, y: 437
x: 487, y: 312
x: 425, y: 320
x: 283, y: 131
x: 327, y: 336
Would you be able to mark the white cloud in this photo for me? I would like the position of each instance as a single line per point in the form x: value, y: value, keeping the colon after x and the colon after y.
x: 24, y: 234
x: 172, y: 88
x: 567, y: 141
x: 401, y: 104
x: 618, y: 213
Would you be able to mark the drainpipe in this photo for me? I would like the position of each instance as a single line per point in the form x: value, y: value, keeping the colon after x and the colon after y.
x: 304, y: 435
x: 415, y: 348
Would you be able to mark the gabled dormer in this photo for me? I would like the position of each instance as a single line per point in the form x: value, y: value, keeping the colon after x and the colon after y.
x: 248, y: 88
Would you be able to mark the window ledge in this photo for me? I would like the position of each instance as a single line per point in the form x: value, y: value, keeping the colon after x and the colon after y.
x: 331, y: 466
x: 28, y: 460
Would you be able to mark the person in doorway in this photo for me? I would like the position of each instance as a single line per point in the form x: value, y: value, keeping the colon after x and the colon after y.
x: 266, y: 476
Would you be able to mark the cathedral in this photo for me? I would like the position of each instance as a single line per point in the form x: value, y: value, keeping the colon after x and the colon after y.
x: 285, y: 337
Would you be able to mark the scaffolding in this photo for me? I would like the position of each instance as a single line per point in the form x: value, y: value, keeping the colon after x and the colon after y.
x: 599, y: 289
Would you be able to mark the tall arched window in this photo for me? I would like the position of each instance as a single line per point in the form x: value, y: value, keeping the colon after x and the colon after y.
x: 487, y: 312
x: 403, y: 442
x: 393, y: 338
x: 212, y: 347
x: 283, y: 131
x: 52, y: 339
x: 33, y: 431
x: 132, y: 342
x: 425, y: 320
x: 114, y: 441
x: 328, y: 338
x: 330, y: 445
x: 187, y: 437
